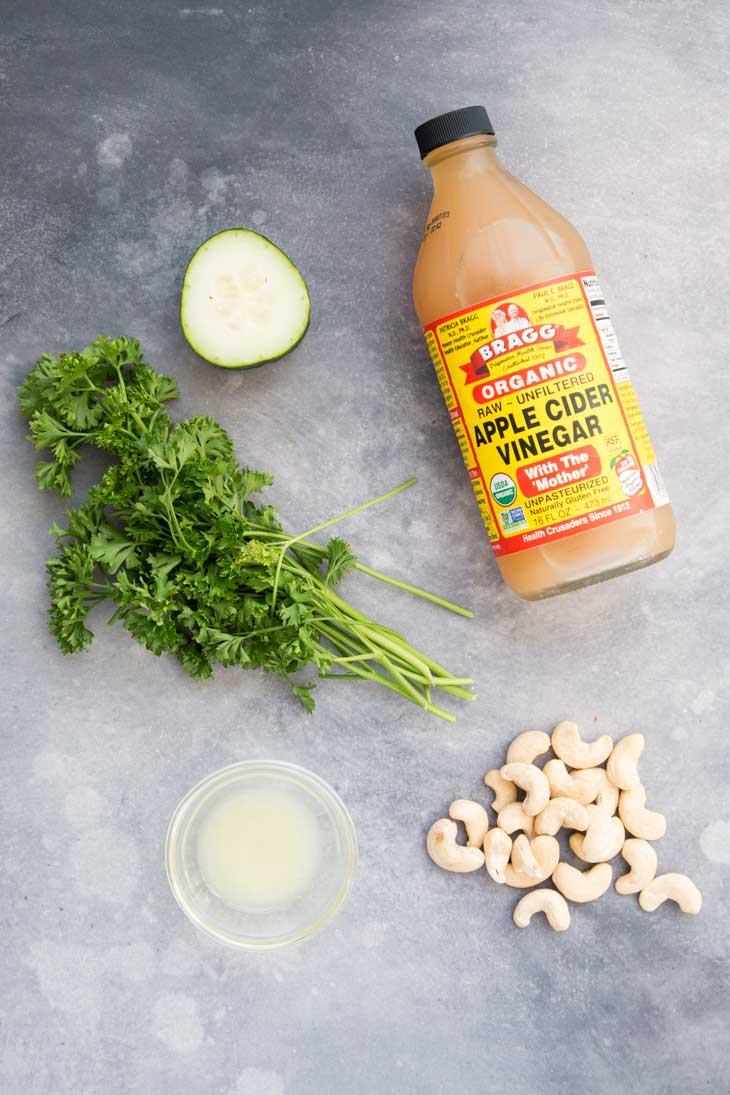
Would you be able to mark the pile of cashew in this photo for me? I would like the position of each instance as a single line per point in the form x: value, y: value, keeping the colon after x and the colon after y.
x: 604, y: 806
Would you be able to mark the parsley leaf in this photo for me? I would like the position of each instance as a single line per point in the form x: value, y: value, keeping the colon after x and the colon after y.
x: 339, y: 560
x: 303, y: 692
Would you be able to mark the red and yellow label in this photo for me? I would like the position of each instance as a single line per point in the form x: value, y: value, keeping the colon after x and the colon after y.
x: 545, y: 413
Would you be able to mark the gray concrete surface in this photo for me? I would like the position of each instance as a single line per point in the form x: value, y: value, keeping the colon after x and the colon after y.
x: 132, y: 131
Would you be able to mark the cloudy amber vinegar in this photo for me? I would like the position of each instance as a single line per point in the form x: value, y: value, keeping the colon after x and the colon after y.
x: 540, y: 398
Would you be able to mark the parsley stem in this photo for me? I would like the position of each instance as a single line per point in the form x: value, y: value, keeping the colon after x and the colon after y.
x: 380, y: 678
x: 405, y: 652
x: 327, y: 524
x: 120, y: 378
x: 177, y: 534
x: 354, y: 658
x: 443, y: 681
x: 320, y: 550
x: 356, y: 509
x: 96, y: 598
x: 451, y: 605
x: 436, y: 669
x: 142, y: 428
x: 407, y: 689
x: 393, y: 669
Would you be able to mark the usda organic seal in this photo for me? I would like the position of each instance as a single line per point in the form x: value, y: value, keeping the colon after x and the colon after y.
x: 503, y: 489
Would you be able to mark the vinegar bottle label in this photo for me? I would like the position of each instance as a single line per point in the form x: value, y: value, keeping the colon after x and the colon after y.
x: 545, y: 413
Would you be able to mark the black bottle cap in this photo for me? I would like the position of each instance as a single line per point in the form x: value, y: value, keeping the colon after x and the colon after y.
x: 466, y: 122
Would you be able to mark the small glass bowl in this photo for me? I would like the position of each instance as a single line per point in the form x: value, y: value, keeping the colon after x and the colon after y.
x: 262, y: 929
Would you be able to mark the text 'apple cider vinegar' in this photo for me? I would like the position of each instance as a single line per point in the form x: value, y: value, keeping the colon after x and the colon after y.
x: 538, y: 393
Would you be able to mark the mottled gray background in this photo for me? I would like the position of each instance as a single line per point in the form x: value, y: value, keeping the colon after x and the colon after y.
x: 132, y: 131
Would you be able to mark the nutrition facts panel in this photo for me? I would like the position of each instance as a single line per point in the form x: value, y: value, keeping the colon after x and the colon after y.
x: 605, y: 327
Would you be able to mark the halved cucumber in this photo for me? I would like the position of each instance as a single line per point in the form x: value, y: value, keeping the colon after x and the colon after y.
x: 243, y: 301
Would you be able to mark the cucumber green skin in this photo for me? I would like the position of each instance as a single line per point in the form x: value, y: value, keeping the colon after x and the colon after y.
x: 262, y: 361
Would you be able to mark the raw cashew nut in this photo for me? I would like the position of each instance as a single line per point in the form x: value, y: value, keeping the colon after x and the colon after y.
x: 504, y: 791
x: 646, y: 824
x: 621, y: 767
x: 603, y: 838
x: 475, y: 820
x: 527, y: 746
x: 445, y: 852
x: 676, y: 887
x: 497, y: 851
x: 582, y: 885
x: 641, y: 858
x: 513, y: 817
x: 523, y: 858
x: 606, y: 792
x: 559, y: 812
x: 546, y: 851
x: 568, y: 746
x: 549, y: 902
x: 533, y: 782
x: 563, y: 785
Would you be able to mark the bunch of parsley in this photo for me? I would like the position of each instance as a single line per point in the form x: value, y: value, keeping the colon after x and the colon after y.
x: 172, y: 538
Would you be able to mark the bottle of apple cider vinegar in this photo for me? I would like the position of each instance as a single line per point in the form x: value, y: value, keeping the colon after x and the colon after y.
x: 538, y: 393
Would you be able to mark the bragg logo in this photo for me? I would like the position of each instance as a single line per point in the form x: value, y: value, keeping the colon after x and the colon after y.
x: 512, y: 330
